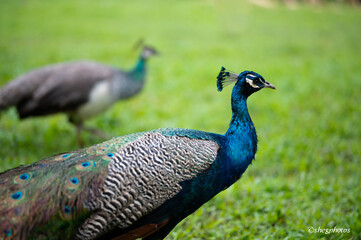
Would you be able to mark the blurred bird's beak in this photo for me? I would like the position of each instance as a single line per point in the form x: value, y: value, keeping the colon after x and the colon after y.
x: 269, y: 85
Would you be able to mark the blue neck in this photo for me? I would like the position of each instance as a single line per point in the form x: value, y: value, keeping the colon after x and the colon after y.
x: 240, y: 116
x: 241, y: 136
x: 139, y: 70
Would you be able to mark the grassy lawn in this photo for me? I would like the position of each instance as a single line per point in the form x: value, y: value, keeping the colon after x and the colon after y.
x: 307, y: 170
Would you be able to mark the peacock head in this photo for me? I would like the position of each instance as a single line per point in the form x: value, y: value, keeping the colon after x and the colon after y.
x: 148, y: 52
x: 247, y: 82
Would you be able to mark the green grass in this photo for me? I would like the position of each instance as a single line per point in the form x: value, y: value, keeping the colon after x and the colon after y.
x: 307, y: 170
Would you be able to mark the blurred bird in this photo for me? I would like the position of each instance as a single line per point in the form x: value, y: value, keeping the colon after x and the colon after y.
x: 81, y: 89
x: 135, y: 186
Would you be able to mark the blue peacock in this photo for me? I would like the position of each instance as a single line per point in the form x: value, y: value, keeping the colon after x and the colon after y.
x: 134, y: 186
x: 81, y: 89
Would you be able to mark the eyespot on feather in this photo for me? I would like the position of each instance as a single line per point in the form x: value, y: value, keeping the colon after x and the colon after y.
x: 74, y: 180
x: 62, y: 157
x: 24, y: 176
x: 86, y: 166
x: 67, y: 209
x: 65, y: 212
x: 73, y: 184
x: 97, y: 149
x: 8, y: 232
x: 15, y: 198
x: 17, y: 195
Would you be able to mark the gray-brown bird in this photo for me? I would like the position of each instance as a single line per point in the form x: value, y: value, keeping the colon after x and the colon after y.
x: 81, y: 89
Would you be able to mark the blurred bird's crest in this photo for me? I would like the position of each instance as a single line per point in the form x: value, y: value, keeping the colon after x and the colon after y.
x: 225, y: 78
x: 147, y: 50
x: 138, y: 44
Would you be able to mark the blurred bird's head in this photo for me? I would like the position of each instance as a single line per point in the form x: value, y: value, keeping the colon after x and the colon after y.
x: 148, y: 52
x: 247, y: 82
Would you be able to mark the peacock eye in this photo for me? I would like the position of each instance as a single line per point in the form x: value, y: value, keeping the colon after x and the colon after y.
x: 257, y: 81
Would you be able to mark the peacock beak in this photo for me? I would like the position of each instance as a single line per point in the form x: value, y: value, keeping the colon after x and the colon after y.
x: 269, y: 85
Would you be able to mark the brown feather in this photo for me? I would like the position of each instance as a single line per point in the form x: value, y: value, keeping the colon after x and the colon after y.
x: 142, y: 231
x: 53, y: 88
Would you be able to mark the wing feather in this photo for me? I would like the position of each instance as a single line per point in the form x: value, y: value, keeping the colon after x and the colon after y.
x: 143, y: 175
x: 66, y: 88
x: 54, y: 88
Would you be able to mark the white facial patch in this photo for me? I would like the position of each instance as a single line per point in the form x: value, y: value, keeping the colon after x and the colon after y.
x: 147, y: 53
x: 250, y: 82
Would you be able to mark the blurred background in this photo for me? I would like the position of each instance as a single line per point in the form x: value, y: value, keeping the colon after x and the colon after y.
x: 307, y: 169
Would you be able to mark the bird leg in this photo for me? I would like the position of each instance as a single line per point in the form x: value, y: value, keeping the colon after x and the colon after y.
x: 79, y: 128
x: 97, y: 132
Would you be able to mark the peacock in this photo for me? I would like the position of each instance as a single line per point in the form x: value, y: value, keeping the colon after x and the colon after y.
x: 134, y: 186
x: 81, y: 89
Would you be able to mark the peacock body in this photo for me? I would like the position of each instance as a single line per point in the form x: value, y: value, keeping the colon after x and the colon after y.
x: 135, y: 186
x: 81, y: 89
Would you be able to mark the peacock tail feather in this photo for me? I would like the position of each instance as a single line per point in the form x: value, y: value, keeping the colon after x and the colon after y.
x: 61, y: 191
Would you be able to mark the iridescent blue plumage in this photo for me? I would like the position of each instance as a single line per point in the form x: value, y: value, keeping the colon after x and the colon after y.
x: 135, y: 186
x: 237, y: 150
